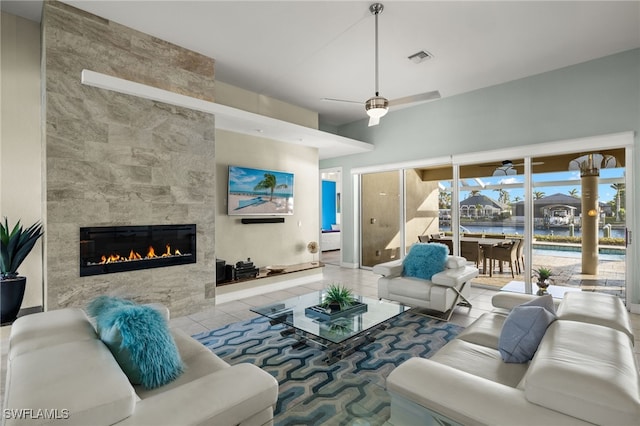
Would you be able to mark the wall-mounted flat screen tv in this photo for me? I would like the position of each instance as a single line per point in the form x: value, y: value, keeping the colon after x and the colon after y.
x: 259, y: 192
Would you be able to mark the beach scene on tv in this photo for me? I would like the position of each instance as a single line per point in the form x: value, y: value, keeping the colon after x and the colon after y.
x: 259, y: 192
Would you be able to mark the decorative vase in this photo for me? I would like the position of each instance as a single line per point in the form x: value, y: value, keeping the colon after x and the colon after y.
x: 542, y: 287
x: 11, y: 295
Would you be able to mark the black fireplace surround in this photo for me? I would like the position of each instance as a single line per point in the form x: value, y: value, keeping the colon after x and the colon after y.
x: 109, y: 249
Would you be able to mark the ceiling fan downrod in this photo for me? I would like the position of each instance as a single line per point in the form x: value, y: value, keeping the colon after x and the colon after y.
x: 376, y: 9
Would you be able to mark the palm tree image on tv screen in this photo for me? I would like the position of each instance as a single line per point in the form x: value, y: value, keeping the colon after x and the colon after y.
x: 259, y: 192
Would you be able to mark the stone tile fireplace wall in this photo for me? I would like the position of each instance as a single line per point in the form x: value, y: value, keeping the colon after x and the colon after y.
x: 113, y: 159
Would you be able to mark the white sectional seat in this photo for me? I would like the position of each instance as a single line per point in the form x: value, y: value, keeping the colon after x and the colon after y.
x: 57, y: 362
x: 583, y: 372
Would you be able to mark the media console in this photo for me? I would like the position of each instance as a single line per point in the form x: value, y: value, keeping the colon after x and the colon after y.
x: 269, y: 280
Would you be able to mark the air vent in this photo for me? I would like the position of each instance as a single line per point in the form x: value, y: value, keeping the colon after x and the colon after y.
x: 420, y: 56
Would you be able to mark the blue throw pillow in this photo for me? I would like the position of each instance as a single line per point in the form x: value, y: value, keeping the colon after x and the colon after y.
x: 140, y: 341
x: 424, y: 260
x: 522, y: 332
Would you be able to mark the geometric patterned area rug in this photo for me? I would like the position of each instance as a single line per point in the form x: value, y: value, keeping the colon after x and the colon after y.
x: 348, y: 392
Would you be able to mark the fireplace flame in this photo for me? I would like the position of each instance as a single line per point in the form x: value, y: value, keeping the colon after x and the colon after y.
x: 133, y: 255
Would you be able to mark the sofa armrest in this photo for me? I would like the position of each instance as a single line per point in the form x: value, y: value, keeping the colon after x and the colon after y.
x: 389, y: 269
x: 455, y: 277
x: 466, y: 398
x: 226, y: 397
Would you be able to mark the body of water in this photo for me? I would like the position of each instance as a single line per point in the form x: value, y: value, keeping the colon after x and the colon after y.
x: 615, y: 233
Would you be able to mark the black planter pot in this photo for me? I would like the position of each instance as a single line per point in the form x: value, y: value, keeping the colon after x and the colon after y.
x: 11, y: 295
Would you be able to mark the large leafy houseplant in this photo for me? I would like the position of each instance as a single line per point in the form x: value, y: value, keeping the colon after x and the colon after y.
x: 15, y: 245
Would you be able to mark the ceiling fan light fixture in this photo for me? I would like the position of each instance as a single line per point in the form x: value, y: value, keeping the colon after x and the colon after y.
x: 377, y: 106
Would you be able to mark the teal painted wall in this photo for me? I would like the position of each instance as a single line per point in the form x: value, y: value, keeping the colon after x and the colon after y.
x: 593, y: 98
x: 328, y: 204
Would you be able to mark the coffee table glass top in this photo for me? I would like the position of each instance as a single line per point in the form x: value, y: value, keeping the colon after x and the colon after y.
x: 292, y: 313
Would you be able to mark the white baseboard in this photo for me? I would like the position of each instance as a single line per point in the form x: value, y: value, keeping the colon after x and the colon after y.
x: 634, y: 308
x: 238, y: 291
x: 349, y: 265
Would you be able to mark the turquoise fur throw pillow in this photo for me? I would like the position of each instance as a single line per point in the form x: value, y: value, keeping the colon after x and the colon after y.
x: 424, y: 260
x: 139, y: 339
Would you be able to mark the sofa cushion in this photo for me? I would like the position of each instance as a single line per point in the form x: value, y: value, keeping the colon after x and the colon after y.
x: 485, y: 330
x: 80, y: 376
x: 596, y: 308
x: 480, y: 361
x: 522, y: 331
x: 46, y: 329
x: 198, y: 362
x: 586, y: 371
x: 455, y: 262
x: 139, y: 338
x: 545, y: 301
x: 424, y: 260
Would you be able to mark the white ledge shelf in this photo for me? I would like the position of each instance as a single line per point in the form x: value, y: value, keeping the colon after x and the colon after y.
x: 235, y: 120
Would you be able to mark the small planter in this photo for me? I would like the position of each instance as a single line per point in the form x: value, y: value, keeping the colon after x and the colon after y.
x: 11, y: 295
x: 329, y: 314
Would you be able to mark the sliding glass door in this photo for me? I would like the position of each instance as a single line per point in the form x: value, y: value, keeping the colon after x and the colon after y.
x: 566, y: 210
x: 579, y: 219
x: 380, y: 197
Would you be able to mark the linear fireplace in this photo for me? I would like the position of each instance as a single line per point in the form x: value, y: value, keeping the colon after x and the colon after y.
x: 109, y: 249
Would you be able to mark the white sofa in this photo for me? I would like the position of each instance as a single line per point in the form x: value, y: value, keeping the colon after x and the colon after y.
x: 583, y: 372
x: 442, y: 293
x: 61, y: 371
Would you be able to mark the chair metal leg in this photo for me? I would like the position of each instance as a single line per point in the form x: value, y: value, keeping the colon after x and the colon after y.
x: 446, y: 316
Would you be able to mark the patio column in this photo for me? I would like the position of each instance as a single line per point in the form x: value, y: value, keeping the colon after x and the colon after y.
x: 590, y: 215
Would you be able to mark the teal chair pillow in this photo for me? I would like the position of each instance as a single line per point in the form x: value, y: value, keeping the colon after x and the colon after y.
x: 424, y: 260
x: 140, y: 341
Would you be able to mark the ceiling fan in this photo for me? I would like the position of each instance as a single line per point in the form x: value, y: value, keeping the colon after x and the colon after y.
x: 377, y: 106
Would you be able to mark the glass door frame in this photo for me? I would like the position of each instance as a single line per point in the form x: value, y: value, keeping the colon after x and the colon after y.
x: 623, y: 140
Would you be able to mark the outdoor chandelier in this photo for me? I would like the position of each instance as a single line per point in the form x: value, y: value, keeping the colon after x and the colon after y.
x: 590, y: 164
x: 506, y: 169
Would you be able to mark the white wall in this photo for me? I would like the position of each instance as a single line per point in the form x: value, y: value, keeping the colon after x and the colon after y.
x: 20, y: 141
x: 271, y: 243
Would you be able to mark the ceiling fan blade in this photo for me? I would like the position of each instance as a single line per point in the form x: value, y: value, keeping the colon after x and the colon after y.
x: 427, y: 96
x: 374, y: 121
x: 343, y: 100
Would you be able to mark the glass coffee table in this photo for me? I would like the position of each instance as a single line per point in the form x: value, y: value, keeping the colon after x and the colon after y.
x: 339, y: 336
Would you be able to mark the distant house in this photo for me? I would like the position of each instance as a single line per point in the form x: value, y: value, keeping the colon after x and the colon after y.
x: 482, y: 206
x: 545, y: 206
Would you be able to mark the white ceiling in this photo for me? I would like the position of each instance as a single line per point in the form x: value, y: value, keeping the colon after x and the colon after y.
x: 303, y: 51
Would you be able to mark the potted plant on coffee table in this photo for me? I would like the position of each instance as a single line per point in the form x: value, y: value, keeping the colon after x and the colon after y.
x: 338, y: 297
x: 543, y: 276
x: 15, y: 245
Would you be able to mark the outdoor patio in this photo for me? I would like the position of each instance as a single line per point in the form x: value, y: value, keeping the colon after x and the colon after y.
x: 567, y: 271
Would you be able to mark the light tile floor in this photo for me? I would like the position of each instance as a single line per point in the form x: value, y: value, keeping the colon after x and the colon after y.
x: 361, y: 281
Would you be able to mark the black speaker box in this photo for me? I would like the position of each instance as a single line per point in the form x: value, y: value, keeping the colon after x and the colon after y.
x: 247, y: 220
